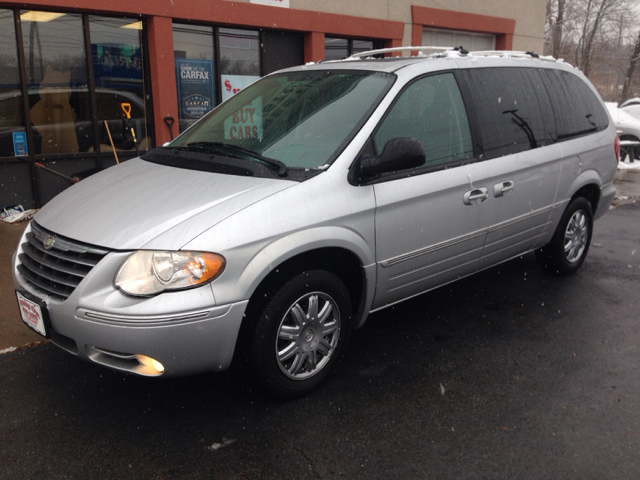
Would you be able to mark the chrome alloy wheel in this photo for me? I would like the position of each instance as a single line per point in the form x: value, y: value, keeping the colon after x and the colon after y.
x: 308, y: 335
x: 576, y: 236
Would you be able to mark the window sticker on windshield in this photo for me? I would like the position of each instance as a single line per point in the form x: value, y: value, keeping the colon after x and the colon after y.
x: 245, y: 123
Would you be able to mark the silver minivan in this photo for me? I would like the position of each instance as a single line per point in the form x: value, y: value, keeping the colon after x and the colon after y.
x: 270, y: 229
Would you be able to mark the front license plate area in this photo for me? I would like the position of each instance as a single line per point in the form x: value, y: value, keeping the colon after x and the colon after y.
x: 33, y: 314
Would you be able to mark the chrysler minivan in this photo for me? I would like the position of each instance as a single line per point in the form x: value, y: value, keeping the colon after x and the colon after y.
x: 274, y: 226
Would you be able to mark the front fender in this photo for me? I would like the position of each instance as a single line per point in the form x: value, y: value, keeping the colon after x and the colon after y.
x: 242, y: 286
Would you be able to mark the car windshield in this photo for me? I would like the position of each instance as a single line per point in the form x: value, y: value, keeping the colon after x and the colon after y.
x: 302, y: 119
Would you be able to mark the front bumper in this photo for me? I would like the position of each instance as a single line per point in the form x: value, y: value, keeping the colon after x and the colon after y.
x: 185, y: 331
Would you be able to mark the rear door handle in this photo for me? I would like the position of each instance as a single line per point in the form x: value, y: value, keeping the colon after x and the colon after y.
x: 501, y: 189
x: 475, y: 196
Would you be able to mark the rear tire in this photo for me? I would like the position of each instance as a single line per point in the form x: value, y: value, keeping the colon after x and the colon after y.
x: 570, y: 243
x: 301, y: 334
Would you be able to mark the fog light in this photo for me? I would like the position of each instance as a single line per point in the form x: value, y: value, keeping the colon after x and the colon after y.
x: 150, y: 362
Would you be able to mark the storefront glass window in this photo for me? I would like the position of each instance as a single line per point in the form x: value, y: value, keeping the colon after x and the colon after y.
x: 361, y: 46
x: 193, y: 41
x: 118, y: 70
x: 195, y: 72
x: 239, y: 59
x: 57, y: 82
x: 13, y: 140
x: 336, y: 48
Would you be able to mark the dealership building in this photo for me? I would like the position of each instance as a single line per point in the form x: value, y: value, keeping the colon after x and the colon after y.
x: 80, y: 79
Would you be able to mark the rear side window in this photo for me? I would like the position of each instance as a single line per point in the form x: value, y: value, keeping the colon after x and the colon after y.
x: 576, y: 108
x: 430, y: 110
x: 513, y: 110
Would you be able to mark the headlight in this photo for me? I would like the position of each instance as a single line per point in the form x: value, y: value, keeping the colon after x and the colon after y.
x: 147, y: 273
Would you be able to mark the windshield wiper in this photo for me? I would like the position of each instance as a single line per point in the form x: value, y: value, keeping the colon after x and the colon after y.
x: 282, y: 168
x: 206, y: 146
x: 193, y: 147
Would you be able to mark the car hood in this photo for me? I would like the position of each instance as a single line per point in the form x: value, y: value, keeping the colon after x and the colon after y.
x: 139, y: 204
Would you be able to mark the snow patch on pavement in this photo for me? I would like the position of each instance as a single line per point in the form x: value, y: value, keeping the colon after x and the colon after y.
x: 629, y: 166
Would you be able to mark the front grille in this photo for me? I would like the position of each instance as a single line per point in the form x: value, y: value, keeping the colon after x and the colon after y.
x: 55, y: 264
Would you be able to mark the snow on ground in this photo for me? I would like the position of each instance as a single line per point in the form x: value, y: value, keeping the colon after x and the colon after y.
x: 629, y: 166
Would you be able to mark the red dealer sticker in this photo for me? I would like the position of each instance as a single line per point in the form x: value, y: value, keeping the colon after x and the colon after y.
x: 31, y: 314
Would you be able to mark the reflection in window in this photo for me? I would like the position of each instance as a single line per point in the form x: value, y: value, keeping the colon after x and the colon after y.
x: 431, y: 111
x: 303, y: 119
x: 195, y: 73
x: 575, y: 106
x: 515, y: 111
x: 11, y: 107
x: 57, y: 82
x: 239, y: 60
x: 337, y: 48
x: 359, y: 46
x: 118, y: 70
x: 192, y: 41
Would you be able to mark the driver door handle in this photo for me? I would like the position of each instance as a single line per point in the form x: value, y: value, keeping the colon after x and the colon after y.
x: 475, y: 196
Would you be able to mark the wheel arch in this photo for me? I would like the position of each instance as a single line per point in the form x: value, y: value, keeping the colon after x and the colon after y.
x: 587, y: 185
x: 591, y: 192
x: 351, y: 262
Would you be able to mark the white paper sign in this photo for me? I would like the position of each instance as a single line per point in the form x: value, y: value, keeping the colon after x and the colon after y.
x: 232, y: 84
x: 273, y: 3
x: 246, y: 123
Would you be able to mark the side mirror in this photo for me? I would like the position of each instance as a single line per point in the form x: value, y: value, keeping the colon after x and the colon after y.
x: 398, y: 154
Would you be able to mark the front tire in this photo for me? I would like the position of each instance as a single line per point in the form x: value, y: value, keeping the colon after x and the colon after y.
x: 570, y: 243
x: 301, y: 334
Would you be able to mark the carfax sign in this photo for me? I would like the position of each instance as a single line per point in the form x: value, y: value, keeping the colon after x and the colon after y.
x: 196, y: 87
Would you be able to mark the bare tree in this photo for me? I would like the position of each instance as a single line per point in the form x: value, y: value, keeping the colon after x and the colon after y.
x: 599, y: 36
x: 633, y: 61
x: 597, y: 19
x: 555, y: 20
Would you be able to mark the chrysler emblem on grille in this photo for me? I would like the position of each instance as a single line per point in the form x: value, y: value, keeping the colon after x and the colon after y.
x: 49, y: 241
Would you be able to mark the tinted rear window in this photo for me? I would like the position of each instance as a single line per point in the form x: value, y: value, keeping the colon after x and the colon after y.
x: 513, y: 109
x: 576, y: 108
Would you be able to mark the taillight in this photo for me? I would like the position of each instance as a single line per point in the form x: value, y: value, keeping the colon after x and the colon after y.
x: 616, y: 146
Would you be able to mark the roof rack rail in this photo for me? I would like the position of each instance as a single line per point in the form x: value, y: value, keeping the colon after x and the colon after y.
x: 380, y: 51
x: 432, y: 50
x: 511, y: 54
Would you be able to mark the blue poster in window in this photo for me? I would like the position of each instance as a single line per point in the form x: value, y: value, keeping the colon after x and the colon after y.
x: 20, y: 144
x: 117, y: 66
x: 196, y: 87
